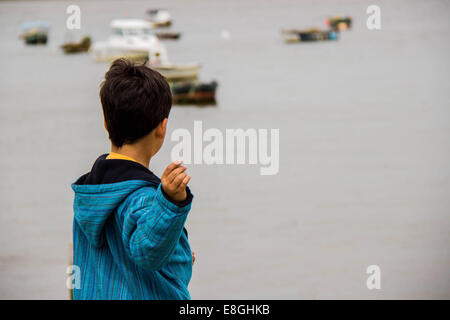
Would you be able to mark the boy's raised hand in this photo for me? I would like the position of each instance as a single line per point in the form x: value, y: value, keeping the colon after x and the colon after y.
x: 174, y: 181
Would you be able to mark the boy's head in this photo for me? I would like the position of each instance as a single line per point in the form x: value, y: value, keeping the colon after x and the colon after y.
x: 135, y: 100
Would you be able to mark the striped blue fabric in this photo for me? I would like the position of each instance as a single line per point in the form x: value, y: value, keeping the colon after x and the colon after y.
x: 130, y: 242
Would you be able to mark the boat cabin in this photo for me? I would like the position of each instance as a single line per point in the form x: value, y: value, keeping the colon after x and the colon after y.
x: 131, y: 27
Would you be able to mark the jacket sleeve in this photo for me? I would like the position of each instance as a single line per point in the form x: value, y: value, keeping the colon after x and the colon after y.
x: 152, y: 227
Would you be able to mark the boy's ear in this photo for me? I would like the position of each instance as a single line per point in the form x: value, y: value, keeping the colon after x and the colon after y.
x: 161, y: 128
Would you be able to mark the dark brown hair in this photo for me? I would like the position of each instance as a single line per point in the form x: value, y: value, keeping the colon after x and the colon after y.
x: 135, y: 99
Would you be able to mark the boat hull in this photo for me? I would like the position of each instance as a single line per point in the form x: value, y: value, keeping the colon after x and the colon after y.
x: 136, y: 56
x: 34, y: 38
x: 309, y: 36
x: 164, y: 24
x: 168, y: 35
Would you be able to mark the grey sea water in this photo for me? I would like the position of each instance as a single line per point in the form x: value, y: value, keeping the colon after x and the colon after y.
x: 364, y: 126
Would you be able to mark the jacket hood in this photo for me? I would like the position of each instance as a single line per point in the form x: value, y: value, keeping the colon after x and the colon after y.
x: 99, y: 193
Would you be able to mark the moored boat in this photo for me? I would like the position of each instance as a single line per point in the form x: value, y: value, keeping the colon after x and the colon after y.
x: 132, y: 39
x: 293, y: 35
x: 35, y: 32
x: 160, y: 18
x: 76, y: 47
x: 194, y: 92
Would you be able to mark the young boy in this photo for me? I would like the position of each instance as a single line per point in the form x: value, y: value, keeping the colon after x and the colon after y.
x: 129, y: 238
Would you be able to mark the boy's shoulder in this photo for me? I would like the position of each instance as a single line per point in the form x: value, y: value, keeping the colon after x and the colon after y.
x: 139, y: 199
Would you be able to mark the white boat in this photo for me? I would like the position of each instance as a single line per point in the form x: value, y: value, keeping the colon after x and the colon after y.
x: 132, y: 39
x: 178, y: 72
x: 159, y: 17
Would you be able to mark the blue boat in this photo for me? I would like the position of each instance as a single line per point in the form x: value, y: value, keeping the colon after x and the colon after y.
x: 35, y: 32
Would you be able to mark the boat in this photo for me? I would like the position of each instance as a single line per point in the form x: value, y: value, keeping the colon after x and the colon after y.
x: 339, y: 23
x: 293, y: 35
x: 76, y: 47
x: 168, y: 35
x: 178, y: 72
x: 194, y: 92
x: 132, y: 39
x: 160, y: 18
x: 35, y: 32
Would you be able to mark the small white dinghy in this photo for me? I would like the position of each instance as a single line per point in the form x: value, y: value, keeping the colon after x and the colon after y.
x: 160, y: 18
x: 178, y: 72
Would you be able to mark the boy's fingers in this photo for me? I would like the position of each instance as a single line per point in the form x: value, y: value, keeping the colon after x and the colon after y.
x: 185, y: 181
x: 171, y: 167
x: 175, y: 173
x: 178, y: 180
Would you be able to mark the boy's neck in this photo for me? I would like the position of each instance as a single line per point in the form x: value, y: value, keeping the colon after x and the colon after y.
x: 136, y: 152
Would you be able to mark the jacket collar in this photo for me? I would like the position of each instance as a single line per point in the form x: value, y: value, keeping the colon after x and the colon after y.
x: 106, y: 171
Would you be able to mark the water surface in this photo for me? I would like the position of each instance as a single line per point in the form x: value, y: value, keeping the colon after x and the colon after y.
x: 364, y: 147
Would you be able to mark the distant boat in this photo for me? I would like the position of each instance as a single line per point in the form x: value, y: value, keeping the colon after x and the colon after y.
x: 194, y: 93
x: 35, y: 32
x: 76, y: 47
x: 294, y: 35
x: 160, y: 18
x: 178, y: 72
x: 168, y: 35
x: 132, y: 39
x: 339, y: 23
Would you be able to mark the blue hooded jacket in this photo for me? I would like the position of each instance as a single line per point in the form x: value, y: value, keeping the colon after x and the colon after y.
x: 129, y: 239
